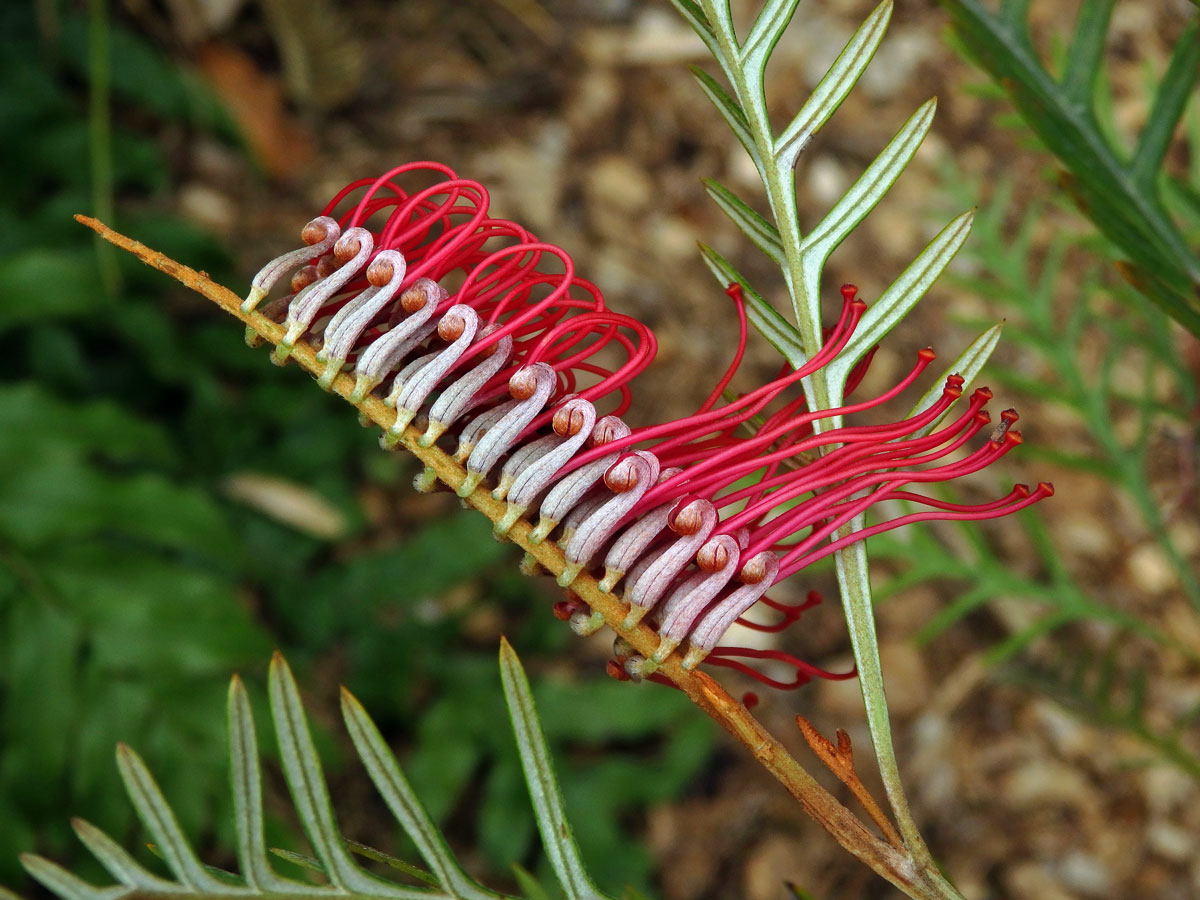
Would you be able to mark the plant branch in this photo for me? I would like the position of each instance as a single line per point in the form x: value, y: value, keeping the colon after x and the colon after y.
x: 918, y: 881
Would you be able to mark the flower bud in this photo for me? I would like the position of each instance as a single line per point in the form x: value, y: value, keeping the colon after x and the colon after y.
x: 318, y: 230
x: 303, y: 277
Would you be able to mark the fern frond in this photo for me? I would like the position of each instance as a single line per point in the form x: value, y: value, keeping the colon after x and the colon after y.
x: 1119, y: 192
x: 343, y: 877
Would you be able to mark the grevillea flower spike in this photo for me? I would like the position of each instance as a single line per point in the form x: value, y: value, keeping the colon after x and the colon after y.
x: 483, y: 337
x: 475, y: 347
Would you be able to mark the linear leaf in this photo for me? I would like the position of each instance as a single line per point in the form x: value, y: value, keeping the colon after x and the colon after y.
x: 719, y: 15
x: 1087, y: 50
x: 833, y: 88
x: 245, y: 778
x: 694, y: 16
x: 1178, y: 85
x: 904, y: 293
x: 65, y: 884
x: 758, y: 229
x: 764, y: 317
x: 969, y: 364
x: 123, y: 867
x: 768, y: 28
x: 1101, y: 183
x: 871, y: 185
x: 543, y: 787
x: 734, y: 115
x: 160, y: 821
x: 302, y: 769
x: 385, y: 772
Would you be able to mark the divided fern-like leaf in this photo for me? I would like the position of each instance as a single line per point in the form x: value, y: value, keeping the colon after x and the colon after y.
x: 341, y: 874
x: 1119, y: 192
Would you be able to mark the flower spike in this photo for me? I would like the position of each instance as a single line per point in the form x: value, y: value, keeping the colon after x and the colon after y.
x: 485, y: 336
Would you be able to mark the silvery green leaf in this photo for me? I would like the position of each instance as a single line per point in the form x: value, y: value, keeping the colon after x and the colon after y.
x: 543, y: 786
x: 735, y: 116
x: 836, y: 84
x: 969, y: 364
x: 65, y: 884
x: 302, y: 769
x: 764, y: 317
x: 246, y: 783
x: 719, y: 15
x: 398, y: 794
x: 694, y: 16
x: 903, y: 294
x: 768, y: 28
x: 123, y: 867
x: 871, y: 186
x: 160, y: 821
x: 758, y: 229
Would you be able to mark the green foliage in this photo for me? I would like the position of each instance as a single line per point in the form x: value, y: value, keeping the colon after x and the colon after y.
x: 130, y: 583
x: 1121, y: 192
x: 802, y: 256
x: 1056, y: 344
x: 333, y: 860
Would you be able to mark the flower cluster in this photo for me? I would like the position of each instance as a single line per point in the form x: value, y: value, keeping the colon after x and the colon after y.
x: 484, y: 338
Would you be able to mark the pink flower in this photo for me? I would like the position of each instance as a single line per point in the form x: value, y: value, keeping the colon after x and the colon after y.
x: 484, y: 337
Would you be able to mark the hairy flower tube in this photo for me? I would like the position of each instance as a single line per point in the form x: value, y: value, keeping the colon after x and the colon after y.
x: 483, y: 338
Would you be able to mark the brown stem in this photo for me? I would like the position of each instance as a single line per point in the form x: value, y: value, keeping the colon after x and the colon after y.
x: 888, y: 862
x: 840, y: 761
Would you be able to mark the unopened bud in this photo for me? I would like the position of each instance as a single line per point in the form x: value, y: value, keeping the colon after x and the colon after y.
x: 303, y: 277
x: 622, y: 477
x: 713, y: 556
x: 347, y: 247
x: 380, y: 272
x: 318, y: 230
x: 687, y: 519
x: 607, y: 430
x: 568, y: 420
x: 755, y: 570
x: 523, y: 384
x: 451, y: 327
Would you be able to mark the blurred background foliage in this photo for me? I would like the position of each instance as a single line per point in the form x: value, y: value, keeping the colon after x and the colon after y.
x: 172, y: 507
x: 140, y: 444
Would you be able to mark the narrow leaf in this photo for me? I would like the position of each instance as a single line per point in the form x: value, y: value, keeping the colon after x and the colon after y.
x: 768, y: 28
x: 734, y: 115
x: 764, y: 317
x: 837, y: 82
x: 543, y: 787
x: 1178, y: 85
x: 757, y: 228
x: 302, y: 768
x: 393, y: 862
x: 871, y: 185
x: 402, y: 801
x: 59, y: 881
x: 245, y: 777
x: 1087, y: 50
x: 904, y: 293
x: 694, y: 16
x: 969, y: 364
x: 160, y: 821
x: 123, y: 867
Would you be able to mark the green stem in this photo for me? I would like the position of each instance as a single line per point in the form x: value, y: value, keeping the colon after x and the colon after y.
x: 853, y: 576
